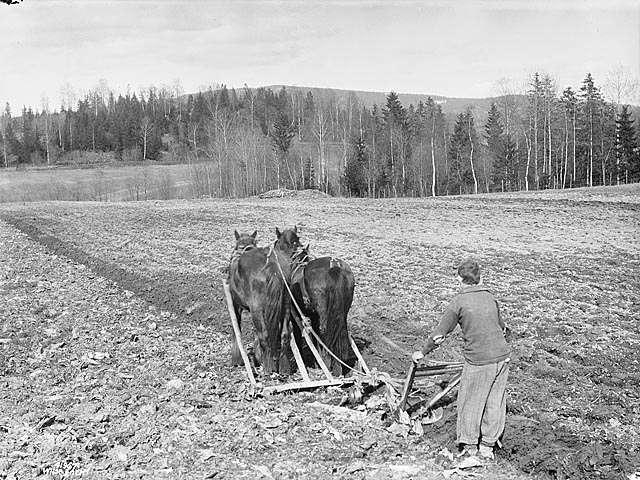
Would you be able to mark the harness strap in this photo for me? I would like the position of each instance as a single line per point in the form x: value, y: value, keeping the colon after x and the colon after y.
x: 268, y: 255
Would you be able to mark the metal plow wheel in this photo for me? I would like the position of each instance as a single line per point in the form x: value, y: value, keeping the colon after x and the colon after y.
x: 432, y: 416
x: 361, y: 374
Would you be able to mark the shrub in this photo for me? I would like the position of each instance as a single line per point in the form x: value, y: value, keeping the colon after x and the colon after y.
x: 165, y: 186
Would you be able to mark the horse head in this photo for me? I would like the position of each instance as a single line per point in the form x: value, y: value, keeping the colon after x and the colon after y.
x: 245, y: 241
x: 288, y: 241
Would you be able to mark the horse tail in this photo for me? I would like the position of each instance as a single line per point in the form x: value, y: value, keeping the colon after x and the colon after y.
x: 338, y: 303
x: 270, y: 304
x: 284, y: 365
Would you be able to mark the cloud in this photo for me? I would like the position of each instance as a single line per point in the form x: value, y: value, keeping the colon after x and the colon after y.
x: 457, y: 48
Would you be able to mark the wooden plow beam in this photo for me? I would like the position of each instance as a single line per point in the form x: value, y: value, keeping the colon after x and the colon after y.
x: 306, y: 383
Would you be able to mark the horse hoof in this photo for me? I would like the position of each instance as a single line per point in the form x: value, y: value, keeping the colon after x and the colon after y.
x: 237, y: 363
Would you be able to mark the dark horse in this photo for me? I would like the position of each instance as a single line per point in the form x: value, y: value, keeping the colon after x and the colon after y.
x: 323, y: 288
x: 257, y: 286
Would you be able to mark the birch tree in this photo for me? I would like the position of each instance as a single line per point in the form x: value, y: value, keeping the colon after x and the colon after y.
x: 45, y: 114
x: 146, y: 128
x: 5, y: 128
x: 620, y: 86
x: 68, y: 95
x: 320, y: 133
x: 590, y: 95
x: 472, y: 141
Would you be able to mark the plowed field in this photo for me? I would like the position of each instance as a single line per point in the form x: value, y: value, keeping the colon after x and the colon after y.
x: 114, y: 355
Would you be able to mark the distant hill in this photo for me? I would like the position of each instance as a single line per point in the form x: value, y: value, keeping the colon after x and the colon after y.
x: 450, y: 105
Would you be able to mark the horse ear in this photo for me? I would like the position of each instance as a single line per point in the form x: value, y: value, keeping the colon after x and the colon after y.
x: 278, y: 232
x: 235, y: 232
x: 254, y: 234
x: 307, y: 247
x: 295, y: 228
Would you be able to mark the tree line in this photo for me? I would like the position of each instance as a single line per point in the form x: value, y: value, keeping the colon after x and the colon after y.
x: 243, y: 142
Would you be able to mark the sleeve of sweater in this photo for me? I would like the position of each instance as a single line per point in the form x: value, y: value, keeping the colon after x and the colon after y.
x: 448, y: 322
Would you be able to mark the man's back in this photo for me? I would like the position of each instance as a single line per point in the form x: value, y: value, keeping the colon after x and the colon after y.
x: 477, y: 312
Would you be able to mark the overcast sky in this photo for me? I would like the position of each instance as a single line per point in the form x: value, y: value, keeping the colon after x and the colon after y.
x: 453, y: 48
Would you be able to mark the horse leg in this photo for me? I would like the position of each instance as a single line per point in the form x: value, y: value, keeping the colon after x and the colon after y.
x: 284, y: 364
x: 264, y: 352
x: 328, y: 360
x: 257, y: 351
x: 342, y: 349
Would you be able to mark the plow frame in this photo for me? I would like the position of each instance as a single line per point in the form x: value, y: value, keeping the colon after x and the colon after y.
x: 429, y: 370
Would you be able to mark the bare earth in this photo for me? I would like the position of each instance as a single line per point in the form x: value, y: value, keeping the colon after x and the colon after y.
x: 114, y: 354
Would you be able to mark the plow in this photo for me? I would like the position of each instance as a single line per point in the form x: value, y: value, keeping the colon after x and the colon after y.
x: 412, y: 399
x: 407, y: 397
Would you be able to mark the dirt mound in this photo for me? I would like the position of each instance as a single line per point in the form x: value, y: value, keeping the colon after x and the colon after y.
x: 286, y: 193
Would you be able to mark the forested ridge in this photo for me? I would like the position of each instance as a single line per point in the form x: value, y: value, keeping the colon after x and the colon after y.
x: 248, y: 141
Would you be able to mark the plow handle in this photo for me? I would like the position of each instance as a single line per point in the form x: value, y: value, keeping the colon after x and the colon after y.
x: 408, y: 383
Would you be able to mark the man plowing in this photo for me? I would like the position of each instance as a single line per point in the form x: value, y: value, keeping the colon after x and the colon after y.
x: 481, y: 395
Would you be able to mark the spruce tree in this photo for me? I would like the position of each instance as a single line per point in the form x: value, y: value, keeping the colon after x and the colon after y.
x: 282, y: 133
x: 536, y: 116
x: 309, y: 174
x: 309, y: 109
x: 591, y: 99
x: 510, y: 155
x: 493, y: 130
x: 354, y: 170
x: 222, y: 97
x: 29, y: 137
x: 459, y: 153
x: 393, y: 111
x: 395, y: 130
x: 495, y: 145
x: 626, y: 146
